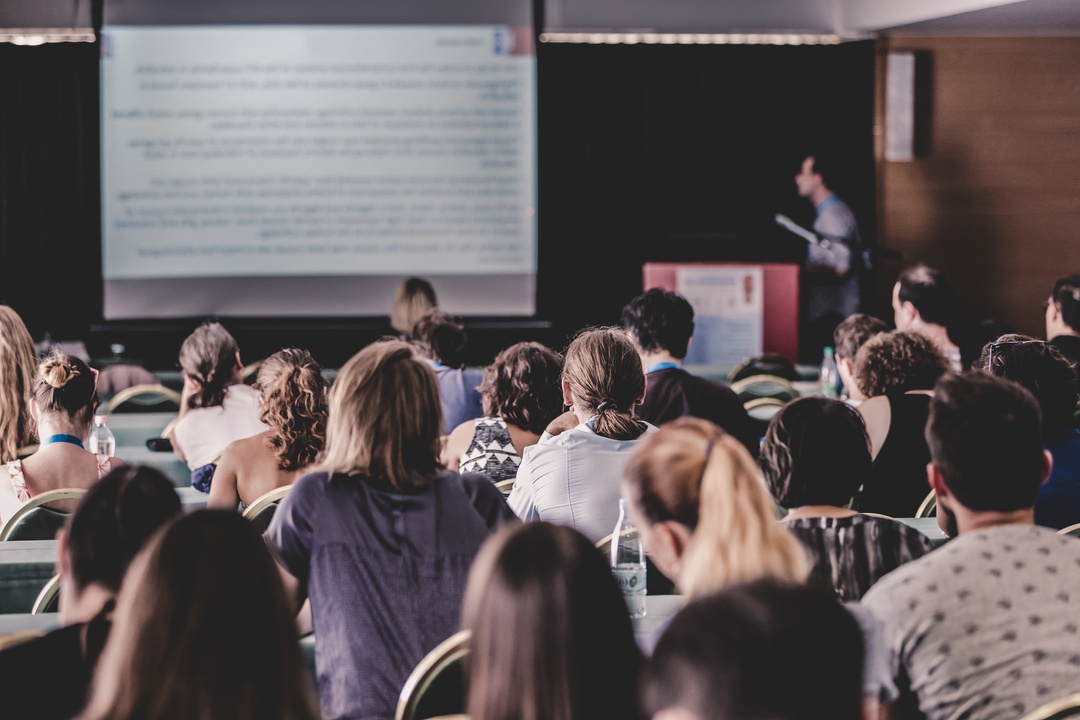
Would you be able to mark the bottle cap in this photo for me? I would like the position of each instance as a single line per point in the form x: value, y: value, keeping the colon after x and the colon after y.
x: 101, y: 419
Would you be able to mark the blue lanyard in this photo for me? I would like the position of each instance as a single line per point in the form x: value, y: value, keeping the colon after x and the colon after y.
x: 661, y: 366
x: 826, y: 203
x: 62, y: 438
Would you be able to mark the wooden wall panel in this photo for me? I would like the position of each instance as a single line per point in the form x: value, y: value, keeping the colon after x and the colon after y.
x: 994, y: 198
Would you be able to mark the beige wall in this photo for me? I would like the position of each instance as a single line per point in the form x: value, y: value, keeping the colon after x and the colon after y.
x: 995, y: 199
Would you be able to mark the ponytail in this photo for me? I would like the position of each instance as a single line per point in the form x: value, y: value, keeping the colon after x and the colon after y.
x: 605, y: 375
x: 208, y: 356
x: 611, y: 422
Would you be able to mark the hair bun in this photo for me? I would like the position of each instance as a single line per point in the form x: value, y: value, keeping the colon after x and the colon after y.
x: 56, y: 372
x: 605, y: 404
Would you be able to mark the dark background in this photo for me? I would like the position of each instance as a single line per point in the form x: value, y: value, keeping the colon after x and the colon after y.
x: 646, y: 152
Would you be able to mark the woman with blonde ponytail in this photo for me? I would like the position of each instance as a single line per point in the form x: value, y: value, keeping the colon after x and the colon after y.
x: 704, y: 514
x: 18, y: 369
x: 572, y: 475
x: 292, y: 395
x: 65, y: 398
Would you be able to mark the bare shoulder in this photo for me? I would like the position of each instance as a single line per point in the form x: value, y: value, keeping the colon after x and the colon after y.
x: 246, y: 449
x: 876, y: 412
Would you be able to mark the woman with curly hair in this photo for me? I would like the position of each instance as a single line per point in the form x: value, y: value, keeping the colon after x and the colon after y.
x: 18, y: 369
x: 293, y: 399
x: 521, y: 394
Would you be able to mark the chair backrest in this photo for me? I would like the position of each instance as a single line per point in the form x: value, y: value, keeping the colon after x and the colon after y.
x: 250, y: 373
x: 765, y: 386
x: 761, y: 412
x: 928, y: 507
x: 34, y: 521
x: 48, y: 600
x: 1068, y: 707
x: 261, y: 511
x: 437, y: 686
x: 144, y: 398
x: 505, y: 486
x: 767, y: 364
x: 1073, y: 530
x: 18, y: 637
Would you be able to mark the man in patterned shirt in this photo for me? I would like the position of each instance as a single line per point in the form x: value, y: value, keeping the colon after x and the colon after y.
x: 986, y: 626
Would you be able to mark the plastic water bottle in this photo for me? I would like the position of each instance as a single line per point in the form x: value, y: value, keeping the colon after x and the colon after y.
x: 102, y: 441
x: 628, y: 563
x: 830, y: 376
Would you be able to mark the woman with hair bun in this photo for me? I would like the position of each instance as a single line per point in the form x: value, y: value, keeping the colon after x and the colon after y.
x: 18, y: 369
x: 216, y: 407
x: 293, y: 399
x: 572, y: 475
x: 65, y: 398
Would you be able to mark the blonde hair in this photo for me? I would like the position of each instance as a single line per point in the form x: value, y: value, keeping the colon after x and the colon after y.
x: 605, y: 375
x: 18, y: 369
x: 293, y: 398
x: 694, y: 473
x: 385, y: 417
x: 414, y: 299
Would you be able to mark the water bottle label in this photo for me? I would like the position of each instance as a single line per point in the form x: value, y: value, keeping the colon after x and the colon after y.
x: 630, y: 579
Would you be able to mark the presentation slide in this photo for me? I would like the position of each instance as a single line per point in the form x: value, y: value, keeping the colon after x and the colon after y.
x: 305, y: 170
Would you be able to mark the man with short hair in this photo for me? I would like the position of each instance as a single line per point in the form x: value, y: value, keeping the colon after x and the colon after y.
x: 987, y: 626
x: 662, y: 323
x: 848, y: 337
x: 922, y: 302
x: 49, y: 677
x: 1063, y: 317
x: 441, y: 340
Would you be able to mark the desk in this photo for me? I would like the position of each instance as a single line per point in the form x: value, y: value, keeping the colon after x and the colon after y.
x: 136, y: 428
x: 25, y: 567
x: 929, y: 528
x: 26, y: 621
x: 166, y: 462
x: 191, y: 498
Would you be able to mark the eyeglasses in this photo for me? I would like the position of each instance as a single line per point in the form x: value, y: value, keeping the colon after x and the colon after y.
x: 995, y: 346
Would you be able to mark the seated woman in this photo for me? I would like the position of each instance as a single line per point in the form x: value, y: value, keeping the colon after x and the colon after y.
x: 521, y: 395
x: 897, y: 372
x: 202, y: 630
x: 380, y: 539
x: 761, y: 650
x: 216, y: 407
x: 18, y: 372
x: 815, y: 459
x: 65, y: 398
x: 572, y: 476
x: 1043, y: 370
x: 293, y: 399
x: 413, y: 299
x: 704, y: 515
x: 571, y: 654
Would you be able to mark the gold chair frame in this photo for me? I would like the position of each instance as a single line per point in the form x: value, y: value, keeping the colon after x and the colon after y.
x: 265, y: 500
x: 1066, y: 707
x: 135, y: 390
x: 928, y: 507
x: 36, y: 502
x: 448, y: 651
x: 46, y: 596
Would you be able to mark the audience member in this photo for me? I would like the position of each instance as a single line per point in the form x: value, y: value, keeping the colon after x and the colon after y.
x: 572, y: 476
x: 897, y: 372
x: 662, y: 323
x: 48, y: 677
x: 761, y: 650
x: 521, y: 395
x: 18, y: 370
x: 292, y: 395
x: 704, y: 515
x: 1040, y: 368
x: 922, y: 303
x: 216, y: 407
x: 848, y: 337
x: 1063, y: 318
x: 414, y: 299
x: 985, y: 627
x: 441, y: 340
x: 202, y: 630
x: 815, y: 459
x: 975, y: 338
x: 571, y: 652
x: 380, y: 540
x: 65, y: 398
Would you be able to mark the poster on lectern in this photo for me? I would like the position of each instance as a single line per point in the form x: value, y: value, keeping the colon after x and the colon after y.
x: 728, y: 312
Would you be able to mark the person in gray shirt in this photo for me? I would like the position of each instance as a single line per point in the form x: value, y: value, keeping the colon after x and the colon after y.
x: 986, y: 626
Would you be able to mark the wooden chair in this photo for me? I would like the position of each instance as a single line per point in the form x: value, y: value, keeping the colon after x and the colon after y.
x: 928, y: 507
x: 437, y: 686
x: 18, y: 637
x: 656, y: 582
x: 144, y: 398
x: 506, y: 486
x: 48, y: 600
x: 34, y: 521
x: 251, y: 372
x: 1067, y: 707
x: 765, y: 386
x: 1073, y: 530
x: 261, y: 511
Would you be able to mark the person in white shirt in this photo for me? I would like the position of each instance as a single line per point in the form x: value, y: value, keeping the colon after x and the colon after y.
x: 573, y: 475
